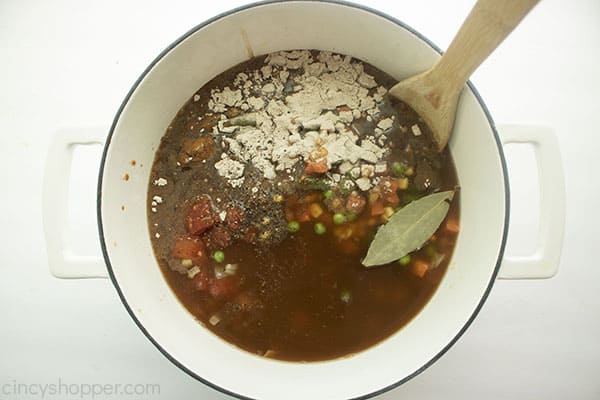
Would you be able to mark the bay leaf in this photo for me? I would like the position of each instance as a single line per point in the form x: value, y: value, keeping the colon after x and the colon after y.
x: 408, y: 229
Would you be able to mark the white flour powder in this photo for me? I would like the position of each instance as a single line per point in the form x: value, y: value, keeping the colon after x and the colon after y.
x: 287, y: 121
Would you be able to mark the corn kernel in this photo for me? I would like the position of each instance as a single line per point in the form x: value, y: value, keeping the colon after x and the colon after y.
x: 387, y: 213
x: 403, y: 183
x: 186, y: 262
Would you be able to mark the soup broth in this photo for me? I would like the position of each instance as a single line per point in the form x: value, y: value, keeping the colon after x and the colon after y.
x: 267, y: 190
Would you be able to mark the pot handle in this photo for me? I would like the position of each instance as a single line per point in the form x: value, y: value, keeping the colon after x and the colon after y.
x: 543, y: 263
x: 62, y: 261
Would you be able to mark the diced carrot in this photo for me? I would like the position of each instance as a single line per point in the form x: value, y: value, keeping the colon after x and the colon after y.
x: 419, y: 267
x: 377, y: 208
x: 316, y: 167
x: 191, y: 248
x: 452, y: 225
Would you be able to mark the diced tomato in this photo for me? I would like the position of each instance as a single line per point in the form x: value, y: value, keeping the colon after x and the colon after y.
x: 377, y: 208
x: 388, y: 188
x: 391, y: 199
x: 217, y: 238
x: 191, y: 248
x: 355, y: 203
x: 316, y: 167
x: 302, y: 213
x: 388, y: 185
x: 224, y: 287
x: 234, y: 218
x: 201, y: 216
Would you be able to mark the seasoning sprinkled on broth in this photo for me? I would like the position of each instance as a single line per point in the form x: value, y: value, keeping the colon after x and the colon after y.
x: 267, y: 191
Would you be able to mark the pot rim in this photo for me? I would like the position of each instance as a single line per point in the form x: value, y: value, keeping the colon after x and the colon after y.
x: 207, y: 22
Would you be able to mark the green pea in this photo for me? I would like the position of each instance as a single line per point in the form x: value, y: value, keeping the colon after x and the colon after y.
x: 293, y: 226
x: 346, y: 296
x: 404, y: 260
x: 351, y: 216
x: 328, y: 194
x: 319, y: 228
x: 339, y: 218
x: 219, y: 256
x: 397, y: 169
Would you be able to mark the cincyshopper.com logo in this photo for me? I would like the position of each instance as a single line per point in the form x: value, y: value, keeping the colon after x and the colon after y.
x: 62, y: 390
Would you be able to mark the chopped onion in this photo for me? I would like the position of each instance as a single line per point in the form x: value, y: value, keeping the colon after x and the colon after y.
x: 231, y: 269
x: 437, y: 259
x: 220, y: 272
x: 215, y: 319
x: 193, y: 271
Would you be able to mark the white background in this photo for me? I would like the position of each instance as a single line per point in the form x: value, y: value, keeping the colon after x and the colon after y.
x: 70, y: 63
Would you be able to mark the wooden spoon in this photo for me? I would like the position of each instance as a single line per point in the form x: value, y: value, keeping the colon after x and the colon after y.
x: 434, y: 94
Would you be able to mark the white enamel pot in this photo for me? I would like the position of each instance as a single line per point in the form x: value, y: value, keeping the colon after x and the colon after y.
x: 164, y: 87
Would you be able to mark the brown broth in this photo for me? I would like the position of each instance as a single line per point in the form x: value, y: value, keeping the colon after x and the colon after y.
x: 301, y: 296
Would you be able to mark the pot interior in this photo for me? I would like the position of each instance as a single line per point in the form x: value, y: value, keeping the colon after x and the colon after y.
x: 155, y: 99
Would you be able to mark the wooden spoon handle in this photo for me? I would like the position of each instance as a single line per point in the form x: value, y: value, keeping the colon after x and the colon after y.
x: 488, y: 23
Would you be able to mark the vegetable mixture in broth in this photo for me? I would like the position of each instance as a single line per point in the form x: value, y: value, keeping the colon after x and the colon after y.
x: 267, y: 191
